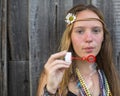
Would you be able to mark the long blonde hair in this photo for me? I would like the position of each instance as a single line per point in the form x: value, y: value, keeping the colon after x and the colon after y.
x: 104, y: 58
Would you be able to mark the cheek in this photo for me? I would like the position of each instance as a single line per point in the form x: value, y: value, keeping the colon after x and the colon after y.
x: 76, y: 42
x: 99, y: 40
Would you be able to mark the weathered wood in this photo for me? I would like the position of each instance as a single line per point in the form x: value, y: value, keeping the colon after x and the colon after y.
x: 1, y: 79
x: 34, y: 33
x: 18, y: 82
x: 0, y: 29
x: 42, y: 24
x: 18, y: 29
x: 18, y: 48
x: 116, y: 30
x: 3, y: 48
x: 76, y: 2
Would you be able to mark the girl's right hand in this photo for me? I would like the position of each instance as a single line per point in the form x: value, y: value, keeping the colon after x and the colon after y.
x: 54, y: 69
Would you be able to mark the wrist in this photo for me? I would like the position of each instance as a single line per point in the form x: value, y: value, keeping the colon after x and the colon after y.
x: 49, y: 92
x: 52, y: 91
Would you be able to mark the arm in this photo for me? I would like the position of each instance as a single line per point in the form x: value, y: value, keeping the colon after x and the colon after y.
x: 53, y: 73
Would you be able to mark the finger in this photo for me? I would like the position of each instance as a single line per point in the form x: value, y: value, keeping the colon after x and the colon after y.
x: 57, y: 62
x: 56, y: 65
x: 60, y: 66
x: 56, y: 56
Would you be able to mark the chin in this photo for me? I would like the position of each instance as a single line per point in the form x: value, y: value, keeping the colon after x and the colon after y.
x: 88, y: 54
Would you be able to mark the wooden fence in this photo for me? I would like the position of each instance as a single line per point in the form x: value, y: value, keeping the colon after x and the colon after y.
x: 30, y: 30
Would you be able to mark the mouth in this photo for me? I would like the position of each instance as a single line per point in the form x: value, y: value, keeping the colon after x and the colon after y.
x: 88, y: 49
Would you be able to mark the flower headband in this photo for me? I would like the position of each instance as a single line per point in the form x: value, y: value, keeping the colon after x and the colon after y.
x: 70, y: 18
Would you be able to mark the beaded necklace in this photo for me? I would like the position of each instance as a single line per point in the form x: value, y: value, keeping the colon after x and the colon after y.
x: 104, y: 87
x: 104, y: 83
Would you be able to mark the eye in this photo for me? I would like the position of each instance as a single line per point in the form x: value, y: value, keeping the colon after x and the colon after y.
x: 80, y: 31
x: 96, y: 30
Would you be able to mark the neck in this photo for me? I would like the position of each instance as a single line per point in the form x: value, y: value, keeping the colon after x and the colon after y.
x: 85, y: 67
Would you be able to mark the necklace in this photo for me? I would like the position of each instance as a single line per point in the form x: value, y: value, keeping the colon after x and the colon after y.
x: 104, y: 87
x: 82, y: 84
x: 104, y: 84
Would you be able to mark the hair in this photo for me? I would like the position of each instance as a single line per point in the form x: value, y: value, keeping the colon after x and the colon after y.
x: 104, y: 57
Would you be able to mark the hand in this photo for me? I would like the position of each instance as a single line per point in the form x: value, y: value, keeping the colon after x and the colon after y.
x: 54, y: 69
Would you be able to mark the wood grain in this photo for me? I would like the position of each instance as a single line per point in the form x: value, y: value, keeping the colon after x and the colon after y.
x: 31, y: 30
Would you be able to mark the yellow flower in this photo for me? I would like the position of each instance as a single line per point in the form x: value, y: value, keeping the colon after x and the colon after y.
x: 70, y: 18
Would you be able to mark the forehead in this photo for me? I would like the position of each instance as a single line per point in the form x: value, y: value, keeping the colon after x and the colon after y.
x: 86, y: 14
x: 87, y: 18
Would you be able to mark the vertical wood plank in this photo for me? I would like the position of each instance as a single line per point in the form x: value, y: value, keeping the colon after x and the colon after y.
x: 0, y: 29
x: 1, y: 78
x: 18, y: 78
x: 116, y: 30
x: 18, y: 48
x: 18, y: 29
x: 3, y: 48
x: 42, y: 25
x: 76, y: 2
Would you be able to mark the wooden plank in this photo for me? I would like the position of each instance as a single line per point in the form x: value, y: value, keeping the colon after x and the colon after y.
x: 18, y: 29
x: 42, y: 24
x: 1, y: 79
x: 76, y: 2
x: 3, y: 48
x: 18, y: 48
x: 0, y: 29
x: 116, y: 13
x: 18, y: 83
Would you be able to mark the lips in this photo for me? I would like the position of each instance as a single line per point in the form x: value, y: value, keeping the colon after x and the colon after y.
x: 88, y: 49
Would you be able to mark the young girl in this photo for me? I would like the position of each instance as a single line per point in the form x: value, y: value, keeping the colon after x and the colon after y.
x: 85, y: 35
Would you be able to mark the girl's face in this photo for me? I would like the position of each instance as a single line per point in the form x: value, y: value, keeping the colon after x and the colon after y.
x: 87, y: 35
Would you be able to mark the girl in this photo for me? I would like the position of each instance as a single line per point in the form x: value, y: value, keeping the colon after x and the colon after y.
x: 85, y: 35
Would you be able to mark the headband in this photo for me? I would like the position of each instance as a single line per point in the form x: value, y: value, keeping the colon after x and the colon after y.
x: 71, y: 18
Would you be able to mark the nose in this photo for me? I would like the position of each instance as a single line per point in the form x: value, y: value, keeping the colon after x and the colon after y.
x: 88, y: 37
